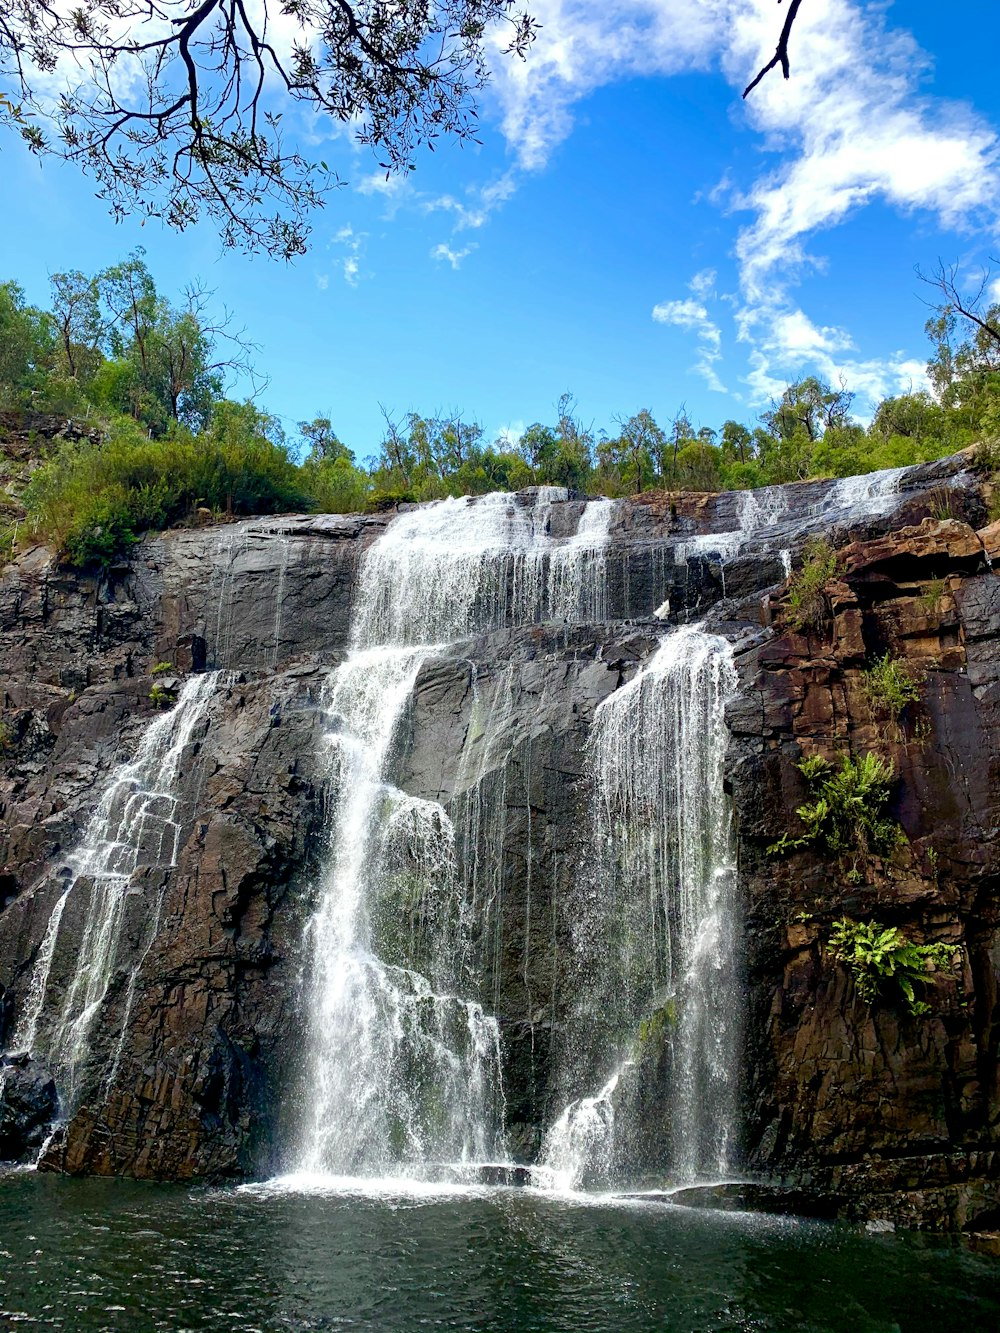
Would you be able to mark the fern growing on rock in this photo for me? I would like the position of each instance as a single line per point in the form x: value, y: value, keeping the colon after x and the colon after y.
x: 885, y: 964
x: 847, y: 812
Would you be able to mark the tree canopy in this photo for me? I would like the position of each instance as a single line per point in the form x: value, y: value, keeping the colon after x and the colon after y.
x: 175, y: 107
x: 167, y: 444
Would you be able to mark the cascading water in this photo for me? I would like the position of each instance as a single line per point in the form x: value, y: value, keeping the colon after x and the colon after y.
x: 864, y: 496
x: 404, y: 1061
x: 657, y: 947
x: 757, y: 510
x: 135, y: 825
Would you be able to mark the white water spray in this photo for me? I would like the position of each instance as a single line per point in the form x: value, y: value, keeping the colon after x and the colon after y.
x: 404, y: 1061
x: 657, y: 949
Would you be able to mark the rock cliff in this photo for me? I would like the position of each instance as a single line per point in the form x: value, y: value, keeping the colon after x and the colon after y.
x: 193, y: 1065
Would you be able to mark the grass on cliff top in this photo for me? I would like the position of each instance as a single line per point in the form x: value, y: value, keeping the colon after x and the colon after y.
x: 91, y: 501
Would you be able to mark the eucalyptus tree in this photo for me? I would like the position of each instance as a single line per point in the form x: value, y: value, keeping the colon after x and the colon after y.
x: 178, y: 108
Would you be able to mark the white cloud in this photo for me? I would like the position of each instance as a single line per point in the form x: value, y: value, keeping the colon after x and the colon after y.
x: 794, y: 345
x: 354, y: 243
x: 703, y: 283
x: 851, y: 127
x: 380, y: 183
x: 581, y: 47
x: 481, y: 202
x: 507, y: 436
x: 690, y: 313
x: 453, y: 257
x: 322, y: 281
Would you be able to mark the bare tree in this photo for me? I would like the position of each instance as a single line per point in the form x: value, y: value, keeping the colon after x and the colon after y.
x: 971, y: 307
x: 395, y: 447
x: 177, y: 111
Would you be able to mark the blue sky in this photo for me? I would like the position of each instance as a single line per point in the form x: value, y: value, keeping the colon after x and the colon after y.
x: 629, y: 230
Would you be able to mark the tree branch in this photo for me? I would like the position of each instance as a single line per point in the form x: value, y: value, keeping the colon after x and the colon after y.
x: 780, y: 56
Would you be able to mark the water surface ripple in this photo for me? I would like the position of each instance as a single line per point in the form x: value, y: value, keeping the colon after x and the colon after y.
x: 111, y: 1255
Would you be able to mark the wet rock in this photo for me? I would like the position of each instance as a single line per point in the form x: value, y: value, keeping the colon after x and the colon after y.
x: 753, y: 1197
x: 891, y: 1116
x: 28, y: 1106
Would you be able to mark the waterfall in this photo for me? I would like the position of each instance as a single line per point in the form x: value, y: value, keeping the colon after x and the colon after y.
x: 656, y: 944
x: 403, y: 1060
x: 135, y: 825
x: 866, y: 496
x: 846, y: 499
x: 448, y: 570
x: 756, y: 510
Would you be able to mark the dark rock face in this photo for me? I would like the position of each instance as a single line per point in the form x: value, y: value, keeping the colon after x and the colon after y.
x: 195, y: 1058
x: 27, y: 1109
x: 897, y: 1113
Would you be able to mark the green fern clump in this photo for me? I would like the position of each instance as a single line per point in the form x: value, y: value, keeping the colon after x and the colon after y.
x: 885, y: 964
x: 846, y: 814
x: 806, y: 597
x: 889, y: 687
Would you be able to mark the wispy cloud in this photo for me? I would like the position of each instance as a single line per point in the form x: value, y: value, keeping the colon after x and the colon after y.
x: 581, y: 47
x: 354, y: 243
x: 453, y: 257
x: 691, y: 313
x: 480, y: 202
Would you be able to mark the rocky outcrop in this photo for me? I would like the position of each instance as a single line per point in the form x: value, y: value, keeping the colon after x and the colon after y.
x: 194, y: 1062
x: 26, y: 440
x: 899, y: 1114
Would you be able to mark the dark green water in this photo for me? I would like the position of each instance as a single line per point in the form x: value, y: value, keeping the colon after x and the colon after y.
x: 84, y: 1255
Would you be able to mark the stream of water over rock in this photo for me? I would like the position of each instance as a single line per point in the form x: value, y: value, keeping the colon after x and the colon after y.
x: 135, y: 826
x: 404, y: 1056
x: 404, y: 1059
x: 657, y: 949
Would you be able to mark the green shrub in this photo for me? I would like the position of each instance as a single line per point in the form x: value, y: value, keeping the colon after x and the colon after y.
x: 379, y: 501
x: 932, y: 594
x: 160, y: 667
x: 6, y: 737
x: 889, y: 687
x: 806, y: 597
x: 336, y: 486
x: 846, y: 814
x: 101, y: 529
x: 885, y: 964
x: 91, y: 501
x: 986, y: 458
